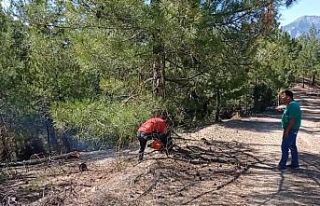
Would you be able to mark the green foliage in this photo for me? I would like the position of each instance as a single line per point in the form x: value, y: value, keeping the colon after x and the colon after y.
x: 91, y: 66
x: 263, y: 96
x: 309, y: 56
x: 102, y: 119
x: 276, y: 60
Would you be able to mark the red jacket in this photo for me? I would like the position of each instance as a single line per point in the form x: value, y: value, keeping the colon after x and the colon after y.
x: 154, y: 125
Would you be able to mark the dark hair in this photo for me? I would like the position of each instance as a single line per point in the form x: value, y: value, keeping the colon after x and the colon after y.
x: 160, y: 113
x: 288, y: 93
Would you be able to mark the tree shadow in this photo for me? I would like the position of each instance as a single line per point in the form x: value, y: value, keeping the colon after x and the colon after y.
x: 196, y: 126
x: 311, y: 117
x: 306, y: 100
x: 196, y: 175
x: 245, y: 124
x: 293, y: 186
x: 193, y: 173
x: 256, y: 126
x: 311, y: 111
x: 308, y: 131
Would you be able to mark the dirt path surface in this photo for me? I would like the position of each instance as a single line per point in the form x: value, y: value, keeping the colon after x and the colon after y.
x: 233, y: 163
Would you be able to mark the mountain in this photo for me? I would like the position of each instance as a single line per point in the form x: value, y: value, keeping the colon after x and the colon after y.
x: 302, y: 25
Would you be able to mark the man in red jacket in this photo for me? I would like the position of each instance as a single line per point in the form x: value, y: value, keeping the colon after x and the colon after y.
x: 155, y: 127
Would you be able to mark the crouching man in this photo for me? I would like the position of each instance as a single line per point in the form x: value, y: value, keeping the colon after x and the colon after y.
x: 154, y: 128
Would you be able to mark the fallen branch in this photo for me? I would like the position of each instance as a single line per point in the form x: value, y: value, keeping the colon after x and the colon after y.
x: 71, y: 155
x: 50, y: 199
x: 232, y: 180
x: 155, y: 180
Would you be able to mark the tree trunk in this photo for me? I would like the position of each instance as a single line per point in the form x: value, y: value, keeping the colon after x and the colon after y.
x: 52, y: 138
x: 158, y: 75
x: 218, y: 99
x: 158, y: 67
x: 278, y: 97
x: 5, y: 151
x: 313, y: 79
x: 7, y: 142
x: 66, y: 140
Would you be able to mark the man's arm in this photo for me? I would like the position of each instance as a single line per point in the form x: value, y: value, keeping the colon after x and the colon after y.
x: 292, y: 121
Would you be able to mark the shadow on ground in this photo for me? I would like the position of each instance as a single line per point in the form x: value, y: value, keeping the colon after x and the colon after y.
x: 256, y: 126
x: 226, y: 173
x: 192, y: 174
x: 289, y: 187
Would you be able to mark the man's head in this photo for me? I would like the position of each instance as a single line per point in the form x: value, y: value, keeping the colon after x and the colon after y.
x: 286, y: 96
x: 160, y: 113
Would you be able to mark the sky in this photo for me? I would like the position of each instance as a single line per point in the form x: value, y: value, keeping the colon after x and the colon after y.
x: 301, y: 8
x: 4, y: 3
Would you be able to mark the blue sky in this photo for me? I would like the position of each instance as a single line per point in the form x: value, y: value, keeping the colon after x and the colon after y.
x: 301, y: 8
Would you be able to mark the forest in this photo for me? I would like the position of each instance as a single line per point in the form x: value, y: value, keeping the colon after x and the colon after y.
x: 83, y: 74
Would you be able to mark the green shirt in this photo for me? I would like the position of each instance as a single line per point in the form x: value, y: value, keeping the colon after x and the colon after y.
x: 292, y: 111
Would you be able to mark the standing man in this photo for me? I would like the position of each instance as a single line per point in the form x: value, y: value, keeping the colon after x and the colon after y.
x: 291, y: 121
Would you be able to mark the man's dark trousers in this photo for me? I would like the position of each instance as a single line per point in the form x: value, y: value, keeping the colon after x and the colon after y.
x: 289, y: 142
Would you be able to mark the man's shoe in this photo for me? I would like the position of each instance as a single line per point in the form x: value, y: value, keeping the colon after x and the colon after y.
x: 293, y: 166
x: 281, y: 168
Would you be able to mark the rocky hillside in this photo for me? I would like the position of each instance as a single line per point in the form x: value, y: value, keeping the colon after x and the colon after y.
x: 302, y: 25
